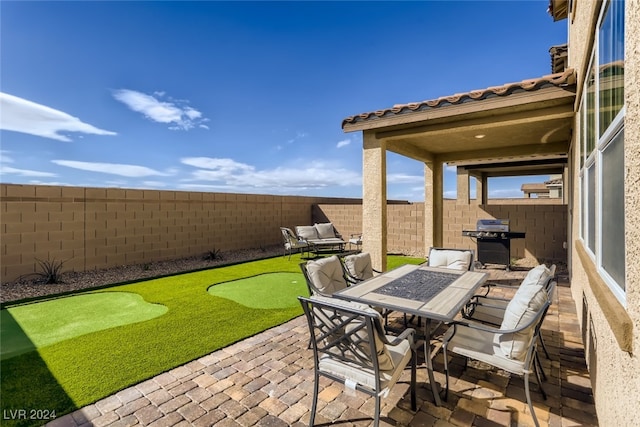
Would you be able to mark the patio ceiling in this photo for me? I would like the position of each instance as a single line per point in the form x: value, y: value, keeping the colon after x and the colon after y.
x: 499, y: 130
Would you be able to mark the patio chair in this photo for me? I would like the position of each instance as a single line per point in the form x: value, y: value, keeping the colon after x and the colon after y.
x: 324, y: 276
x: 456, y: 259
x: 350, y: 347
x: 512, y: 347
x: 491, y: 310
x: 355, y: 239
x: 291, y: 242
x: 358, y: 267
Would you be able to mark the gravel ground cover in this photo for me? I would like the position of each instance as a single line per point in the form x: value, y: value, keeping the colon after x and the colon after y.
x: 29, y: 287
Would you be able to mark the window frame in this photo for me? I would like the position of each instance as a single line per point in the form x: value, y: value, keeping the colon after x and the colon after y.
x: 591, y: 162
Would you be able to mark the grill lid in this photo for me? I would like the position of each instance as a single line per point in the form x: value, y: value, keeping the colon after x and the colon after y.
x: 492, y: 225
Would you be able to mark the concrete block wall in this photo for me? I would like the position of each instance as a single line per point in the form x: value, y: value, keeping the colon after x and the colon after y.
x: 94, y: 228
x: 543, y: 221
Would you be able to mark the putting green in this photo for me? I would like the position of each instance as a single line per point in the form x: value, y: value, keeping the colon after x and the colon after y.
x: 30, y: 326
x: 266, y: 291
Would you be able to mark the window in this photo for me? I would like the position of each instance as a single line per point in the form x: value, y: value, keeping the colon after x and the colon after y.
x: 602, y: 150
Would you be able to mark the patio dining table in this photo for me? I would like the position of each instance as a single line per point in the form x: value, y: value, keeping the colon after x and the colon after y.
x: 436, y: 294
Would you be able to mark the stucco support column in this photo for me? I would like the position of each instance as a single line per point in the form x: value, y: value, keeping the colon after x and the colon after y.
x: 565, y: 184
x: 463, y: 193
x: 374, y: 200
x: 433, y: 194
x: 481, y: 189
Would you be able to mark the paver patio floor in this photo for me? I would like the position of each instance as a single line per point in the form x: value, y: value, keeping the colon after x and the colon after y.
x: 267, y: 380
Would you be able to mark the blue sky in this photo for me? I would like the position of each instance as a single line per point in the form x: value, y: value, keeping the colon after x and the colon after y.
x: 243, y: 96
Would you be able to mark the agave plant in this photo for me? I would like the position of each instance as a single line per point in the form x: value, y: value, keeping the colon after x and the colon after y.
x: 213, y: 255
x: 50, y: 271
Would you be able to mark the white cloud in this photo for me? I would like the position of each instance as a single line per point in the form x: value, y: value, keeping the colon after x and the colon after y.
x: 450, y: 194
x: 229, y: 174
x: 176, y: 113
x: 156, y: 184
x: 4, y: 157
x: 506, y: 193
x: 401, y: 178
x: 21, y: 115
x: 132, y: 171
x: 343, y: 143
x: 215, y: 163
x: 6, y: 170
x: 299, y: 135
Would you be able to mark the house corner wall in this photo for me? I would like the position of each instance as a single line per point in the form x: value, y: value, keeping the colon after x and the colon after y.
x: 610, y: 330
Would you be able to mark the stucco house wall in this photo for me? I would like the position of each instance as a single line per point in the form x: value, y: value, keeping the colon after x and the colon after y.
x: 614, y: 366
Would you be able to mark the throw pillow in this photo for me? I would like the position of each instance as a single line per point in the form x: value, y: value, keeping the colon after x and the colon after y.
x: 537, y: 276
x: 307, y: 232
x: 522, y: 308
x: 325, y: 231
x: 456, y: 260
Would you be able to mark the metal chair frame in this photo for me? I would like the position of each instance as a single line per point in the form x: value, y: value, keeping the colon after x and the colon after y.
x: 291, y: 241
x: 331, y: 338
x: 493, y: 307
x: 531, y: 362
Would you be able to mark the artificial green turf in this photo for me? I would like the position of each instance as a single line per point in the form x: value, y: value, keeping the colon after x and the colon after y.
x: 23, y: 330
x: 269, y: 290
x: 78, y: 371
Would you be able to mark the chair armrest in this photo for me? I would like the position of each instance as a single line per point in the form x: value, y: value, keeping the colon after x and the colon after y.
x: 494, y: 305
x: 483, y: 300
x: 486, y: 328
x: 408, y: 333
x: 490, y: 286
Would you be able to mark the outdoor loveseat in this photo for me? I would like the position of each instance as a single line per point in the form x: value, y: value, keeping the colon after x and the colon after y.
x: 320, y: 237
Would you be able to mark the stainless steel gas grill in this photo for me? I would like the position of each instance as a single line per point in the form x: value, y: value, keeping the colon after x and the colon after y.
x: 493, y: 241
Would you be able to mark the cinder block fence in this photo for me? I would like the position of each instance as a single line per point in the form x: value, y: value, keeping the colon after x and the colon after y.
x: 94, y: 228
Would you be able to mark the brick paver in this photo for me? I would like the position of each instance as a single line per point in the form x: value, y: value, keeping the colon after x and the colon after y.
x: 267, y: 380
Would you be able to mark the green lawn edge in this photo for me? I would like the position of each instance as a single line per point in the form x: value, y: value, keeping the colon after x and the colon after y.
x: 80, y: 371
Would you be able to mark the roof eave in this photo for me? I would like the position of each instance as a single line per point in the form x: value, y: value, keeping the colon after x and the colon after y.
x: 543, y: 89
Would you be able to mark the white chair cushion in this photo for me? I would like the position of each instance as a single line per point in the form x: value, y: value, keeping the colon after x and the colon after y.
x: 325, y: 231
x: 327, y: 275
x: 522, y: 308
x: 386, y: 361
x: 457, y: 260
x: 296, y: 244
x: 307, y: 232
x: 537, y: 276
x: 400, y: 355
x: 359, y: 265
x: 485, y: 347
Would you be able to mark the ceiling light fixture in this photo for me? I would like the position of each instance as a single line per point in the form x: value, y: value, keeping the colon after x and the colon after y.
x: 480, y: 136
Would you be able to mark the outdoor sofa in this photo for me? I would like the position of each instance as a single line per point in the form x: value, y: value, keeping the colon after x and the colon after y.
x: 321, y: 237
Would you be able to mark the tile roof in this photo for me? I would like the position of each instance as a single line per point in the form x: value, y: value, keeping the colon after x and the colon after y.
x: 534, y: 187
x: 554, y: 182
x: 559, y: 79
x: 559, y: 57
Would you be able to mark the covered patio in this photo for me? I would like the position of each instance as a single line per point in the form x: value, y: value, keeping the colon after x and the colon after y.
x: 521, y: 128
x: 267, y: 380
